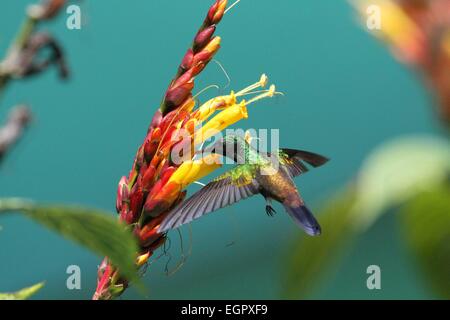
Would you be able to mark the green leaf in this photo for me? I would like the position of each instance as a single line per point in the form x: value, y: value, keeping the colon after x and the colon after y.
x: 397, y: 171
x: 92, y: 229
x: 310, y: 257
x: 426, y: 226
x: 22, y: 294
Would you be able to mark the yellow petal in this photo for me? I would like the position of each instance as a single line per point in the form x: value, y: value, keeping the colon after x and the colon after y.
x: 142, y: 259
x: 221, y: 121
x: 211, y: 106
x: 191, y: 171
x: 182, y: 171
x: 213, y: 45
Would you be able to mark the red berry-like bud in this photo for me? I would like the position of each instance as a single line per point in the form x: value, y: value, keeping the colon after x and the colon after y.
x: 203, y: 37
x: 156, y: 120
x: 176, y: 96
x: 201, y: 58
x: 148, y: 177
x: 216, y: 12
x: 187, y: 60
x: 136, y: 200
x: 122, y: 193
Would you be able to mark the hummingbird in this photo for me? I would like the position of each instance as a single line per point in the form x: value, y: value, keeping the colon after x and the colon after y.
x: 268, y: 174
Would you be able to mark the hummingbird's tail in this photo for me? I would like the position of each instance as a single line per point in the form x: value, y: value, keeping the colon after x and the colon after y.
x: 305, y: 219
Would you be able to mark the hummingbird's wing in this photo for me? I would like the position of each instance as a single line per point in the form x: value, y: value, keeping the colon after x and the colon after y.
x: 232, y: 186
x: 294, y: 160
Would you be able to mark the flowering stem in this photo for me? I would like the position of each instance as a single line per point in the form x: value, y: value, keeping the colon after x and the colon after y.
x: 148, y: 193
x: 44, y: 10
x: 19, y: 118
x: 25, y: 31
x: 18, y: 43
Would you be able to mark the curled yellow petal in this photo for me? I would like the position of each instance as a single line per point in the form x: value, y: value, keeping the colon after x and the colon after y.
x: 211, y: 106
x: 213, y: 45
x: 191, y: 171
x: 221, y: 121
x: 142, y: 259
x: 188, y: 105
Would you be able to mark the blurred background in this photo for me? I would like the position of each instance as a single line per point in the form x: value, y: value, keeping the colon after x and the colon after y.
x: 345, y: 94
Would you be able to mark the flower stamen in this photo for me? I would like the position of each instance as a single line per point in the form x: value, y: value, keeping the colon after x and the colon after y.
x: 230, y: 7
x: 268, y: 94
x: 260, y: 84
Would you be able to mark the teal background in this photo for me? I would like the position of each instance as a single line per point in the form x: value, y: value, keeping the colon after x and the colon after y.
x: 344, y: 95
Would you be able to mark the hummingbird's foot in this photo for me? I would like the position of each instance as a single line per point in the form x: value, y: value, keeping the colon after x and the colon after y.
x: 270, y: 211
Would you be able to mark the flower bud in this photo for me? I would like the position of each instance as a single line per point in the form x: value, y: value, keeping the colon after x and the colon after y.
x: 161, y: 200
x: 122, y: 193
x: 221, y: 121
x: 148, y: 178
x: 151, y: 143
x: 136, y: 200
x: 156, y: 120
x: 216, y: 12
x: 186, y: 63
x: 214, y: 45
x: 203, y: 37
x: 176, y: 96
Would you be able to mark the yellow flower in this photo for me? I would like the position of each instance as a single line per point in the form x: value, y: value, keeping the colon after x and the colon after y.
x: 231, y: 112
x: 211, y: 106
x: 221, y: 121
x: 191, y: 171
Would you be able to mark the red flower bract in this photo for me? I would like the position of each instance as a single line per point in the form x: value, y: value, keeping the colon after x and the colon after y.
x: 147, y: 193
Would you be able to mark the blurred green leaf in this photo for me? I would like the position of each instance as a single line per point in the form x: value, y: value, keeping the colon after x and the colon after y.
x: 310, y: 257
x: 92, y: 229
x: 393, y: 174
x: 399, y: 170
x: 426, y: 226
x: 22, y: 294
